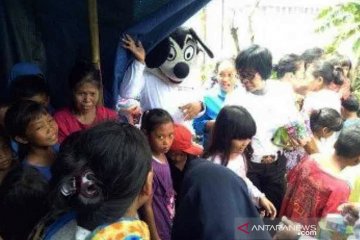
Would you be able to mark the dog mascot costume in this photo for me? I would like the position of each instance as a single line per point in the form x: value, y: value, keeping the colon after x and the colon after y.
x: 167, y: 66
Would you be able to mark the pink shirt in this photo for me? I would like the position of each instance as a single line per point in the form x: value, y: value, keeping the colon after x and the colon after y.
x: 68, y: 123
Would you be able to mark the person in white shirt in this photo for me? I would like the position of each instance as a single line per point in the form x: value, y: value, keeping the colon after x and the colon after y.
x: 272, y: 105
x: 231, y: 147
x: 321, y: 75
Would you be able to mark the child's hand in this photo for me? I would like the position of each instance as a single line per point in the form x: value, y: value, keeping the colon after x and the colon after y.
x: 135, y: 47
x: 268, y: 206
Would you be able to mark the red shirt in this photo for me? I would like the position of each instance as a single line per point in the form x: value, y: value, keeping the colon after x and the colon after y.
x: 68, y: 123
x: 312, y: 193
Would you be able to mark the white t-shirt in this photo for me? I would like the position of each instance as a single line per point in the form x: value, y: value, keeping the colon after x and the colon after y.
x: 324, y: 98
x: 271, y: 110
x: 238, y: 166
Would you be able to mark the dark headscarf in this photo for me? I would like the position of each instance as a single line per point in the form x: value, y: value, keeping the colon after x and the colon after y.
x: 214, y: 203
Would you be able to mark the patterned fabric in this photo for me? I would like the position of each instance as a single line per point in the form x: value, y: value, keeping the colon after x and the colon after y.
x: 125, y: 229
x: 312, y: 193
x: 294, y: 157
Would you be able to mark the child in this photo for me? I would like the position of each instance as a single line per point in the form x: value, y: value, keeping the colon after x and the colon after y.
x: 104, y: 195
x: 182, y: 151
x: 27, y: 82
x: 233, y: 130
x: 158, y: 126
x: 214, y: 99
x: 320, y: 77
x: 349, y: 109
x: 30, y: 87
x: 7, y: 160
x: 30, y: 125
x: 324, y: 123
x: 23, y: 195
x: 314, y: 186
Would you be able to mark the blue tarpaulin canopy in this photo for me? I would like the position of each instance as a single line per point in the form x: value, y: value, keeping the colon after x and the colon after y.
x: 55, y: 34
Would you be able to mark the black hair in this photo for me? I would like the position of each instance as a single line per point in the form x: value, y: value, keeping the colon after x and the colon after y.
x: 28, y: 86
x: 340, y: 61
x: 311, y: 55
x: 348, y: 142
x: 23, y: 202
x: 232, y: 122
x: 288, y: 63
x: 84, y: 72
x: 325, y: 117
x: 351, y: 103
x: 20, y: 114
x: 118, y: 158
x: 255, y: 58
x: 18, y: 118
x: 328, y: 72
x: 152, y: 118
x: 346, y: 62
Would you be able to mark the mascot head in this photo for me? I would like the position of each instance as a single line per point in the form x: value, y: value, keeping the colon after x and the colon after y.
x: 174, y: 56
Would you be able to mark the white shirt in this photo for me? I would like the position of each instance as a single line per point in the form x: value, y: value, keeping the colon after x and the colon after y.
x: 155, y: 92
x: 324, y: 98
x: 274, y: 109
x: 238, y: 166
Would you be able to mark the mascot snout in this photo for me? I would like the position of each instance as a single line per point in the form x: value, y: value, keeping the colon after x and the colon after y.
x: 181, y: 70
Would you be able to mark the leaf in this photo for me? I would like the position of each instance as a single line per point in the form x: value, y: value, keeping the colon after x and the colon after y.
x: 324, y: 12
x: 356, y: 46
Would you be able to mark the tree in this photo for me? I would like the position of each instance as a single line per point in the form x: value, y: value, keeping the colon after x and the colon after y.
x: 344, y: 18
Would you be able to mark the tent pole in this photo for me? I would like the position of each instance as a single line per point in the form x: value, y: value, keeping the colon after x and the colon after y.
x: 94, y: 40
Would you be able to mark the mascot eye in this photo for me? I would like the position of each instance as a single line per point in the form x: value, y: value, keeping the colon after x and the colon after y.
x: 189, y: 53
x: 172, y: 54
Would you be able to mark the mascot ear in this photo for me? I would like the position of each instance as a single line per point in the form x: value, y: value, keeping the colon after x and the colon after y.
x: 196, y: 37
x: 158, y: 55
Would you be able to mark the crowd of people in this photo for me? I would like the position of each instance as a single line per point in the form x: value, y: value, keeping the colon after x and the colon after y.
x: 269, y: 147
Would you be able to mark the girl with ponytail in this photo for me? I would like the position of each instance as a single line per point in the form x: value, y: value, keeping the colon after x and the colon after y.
x: 321, y: 76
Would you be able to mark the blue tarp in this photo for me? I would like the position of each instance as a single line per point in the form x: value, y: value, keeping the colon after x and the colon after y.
x: 54, y: 34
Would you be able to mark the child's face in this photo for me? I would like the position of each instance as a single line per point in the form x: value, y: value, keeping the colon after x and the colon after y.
x: 177, y: 156
x: 239, y: 145
x: 42, y: 132
x: 86, y: 97
x: 5, y: 155
x: 227, y: 76
x: 161, y: 138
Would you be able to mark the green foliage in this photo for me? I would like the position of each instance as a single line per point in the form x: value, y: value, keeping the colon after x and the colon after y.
x: 344, y: 18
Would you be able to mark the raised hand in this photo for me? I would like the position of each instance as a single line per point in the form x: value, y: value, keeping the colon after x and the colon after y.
x: 135, y: 47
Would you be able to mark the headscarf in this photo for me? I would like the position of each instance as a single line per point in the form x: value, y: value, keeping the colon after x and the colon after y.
x: 214, y: 203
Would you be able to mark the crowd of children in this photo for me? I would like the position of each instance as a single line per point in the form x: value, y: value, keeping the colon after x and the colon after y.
x: 270, y: 148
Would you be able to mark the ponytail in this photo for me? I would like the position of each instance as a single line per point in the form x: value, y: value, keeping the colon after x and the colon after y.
x: 328, y: 72
x: 338, y: 76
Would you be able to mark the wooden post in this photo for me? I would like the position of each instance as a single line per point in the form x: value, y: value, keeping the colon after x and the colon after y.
x: 94, y: 40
